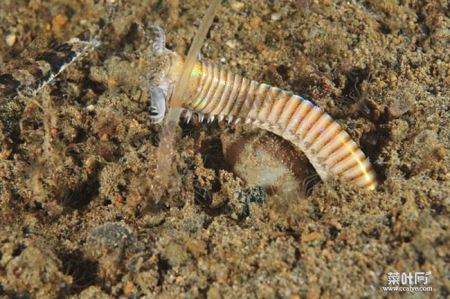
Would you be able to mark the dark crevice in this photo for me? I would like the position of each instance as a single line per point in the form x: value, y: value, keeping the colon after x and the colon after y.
x: 83, y: 271
x: 212, y: 154
x: 334, y: 232
x: 420, y: 258
x: 407, y: 172
x: 372, y: 144
x: 163, y: 268
x: 355, y: 77
x: 18, y: 250
x: 202, y: 196
x: 437, y: 209
x: 375, y: 233
x: 384, y: 28
x: 8, y: 85
x: 283, y: 71
x: 80, y: 197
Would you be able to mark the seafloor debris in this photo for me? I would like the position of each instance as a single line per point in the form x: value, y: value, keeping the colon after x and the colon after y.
x: 240, y: 205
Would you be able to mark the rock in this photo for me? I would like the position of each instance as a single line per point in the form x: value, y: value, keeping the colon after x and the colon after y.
x: 240, y: 204
x: 175, y: 254
x: 400, y: 106
x: 110, y: 244
x: 94, y: 292
x: 275, y: 17
x: 10, y: 39
x: 35, y: 271
x: 58, y: 23
x: 237, y: 6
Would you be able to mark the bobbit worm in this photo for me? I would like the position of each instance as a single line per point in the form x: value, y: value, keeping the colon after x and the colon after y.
x: 215, y: 92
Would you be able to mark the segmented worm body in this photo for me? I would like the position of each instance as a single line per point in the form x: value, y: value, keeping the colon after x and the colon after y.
x: 215, y: 92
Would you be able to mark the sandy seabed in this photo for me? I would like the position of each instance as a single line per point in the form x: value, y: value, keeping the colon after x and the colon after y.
x: 82, y: 214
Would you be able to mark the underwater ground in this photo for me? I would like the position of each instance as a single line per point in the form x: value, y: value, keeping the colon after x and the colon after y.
x: 83, y: 215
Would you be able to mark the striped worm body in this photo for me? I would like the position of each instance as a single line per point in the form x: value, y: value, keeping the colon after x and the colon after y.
x: 215, y: 92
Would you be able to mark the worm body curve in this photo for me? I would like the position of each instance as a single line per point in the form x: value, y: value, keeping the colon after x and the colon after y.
x: 215, y: 92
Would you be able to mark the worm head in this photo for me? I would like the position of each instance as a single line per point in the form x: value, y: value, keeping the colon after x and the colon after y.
x: 157, y: 104
x: 159, y: 91
x: 168, y: 68
x: 159, y: 82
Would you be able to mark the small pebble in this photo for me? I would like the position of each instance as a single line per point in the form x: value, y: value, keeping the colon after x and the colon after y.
x: 10, y: 39
x: 213, y: 293
x: 400, y: 106
x: 255, y: 22
x: 232, y: 43
x: 392, y: 78
x: 237, y: 6
x: 311, y: 237
x: 440, y: 153
x: 175, y: 254
x: 58, y: 23
x: 275, y: 17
